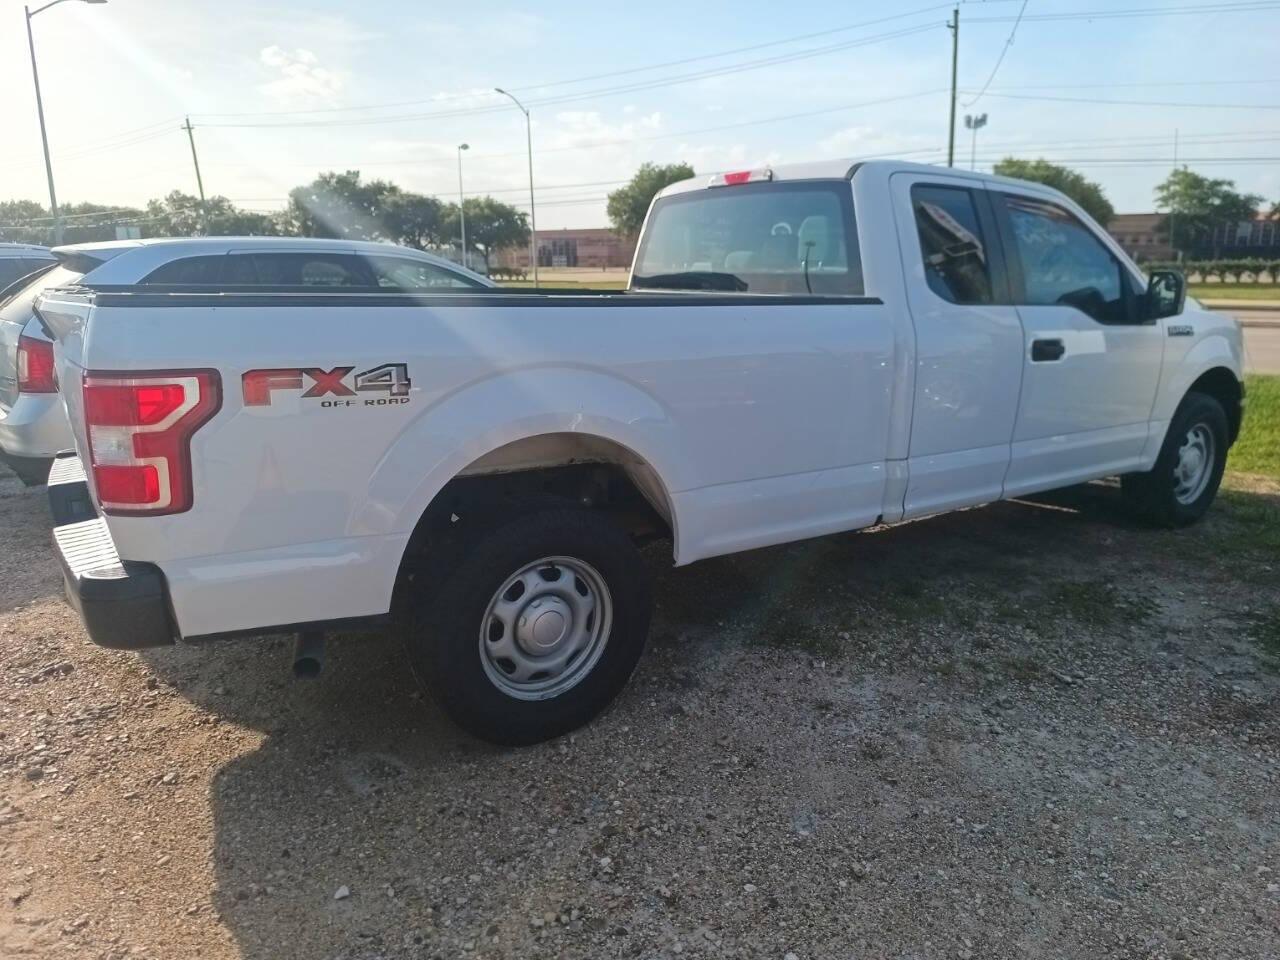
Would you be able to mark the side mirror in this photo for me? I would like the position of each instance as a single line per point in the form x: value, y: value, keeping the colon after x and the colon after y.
x: 1166, y: 293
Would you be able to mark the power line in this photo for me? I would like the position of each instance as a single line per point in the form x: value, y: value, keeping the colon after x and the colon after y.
x: 1154, y: 83
x: 604, y: 92
x: 1245, y: 7
x: 601, y: 76
x: 625, y: 141
x: 1139, y: 103
x: 1000, y: 59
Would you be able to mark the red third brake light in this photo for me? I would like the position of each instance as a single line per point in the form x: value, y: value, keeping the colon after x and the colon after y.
x: 740, y: 176
x: 140, y: 426
x: 35, y: 366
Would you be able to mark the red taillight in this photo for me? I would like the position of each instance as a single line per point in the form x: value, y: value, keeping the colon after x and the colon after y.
x: 139, y: 427
x: 35, y: 366
x: 736, y: 177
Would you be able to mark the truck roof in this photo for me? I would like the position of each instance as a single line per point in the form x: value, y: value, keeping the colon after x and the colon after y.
x: 842, y: 169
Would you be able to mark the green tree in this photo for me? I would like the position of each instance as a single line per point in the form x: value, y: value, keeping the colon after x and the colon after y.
x: 24, y: 221
x: 414, y: 220
x: 1196, y: 205
x: 491, y: 226
x: 1086, y: 193
x: 340, y: 205
x: 628, y: 205
x: 180, y: 215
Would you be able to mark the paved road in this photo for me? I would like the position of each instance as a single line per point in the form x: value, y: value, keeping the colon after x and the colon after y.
x: 1261, y: 338
x: 1262, y: 349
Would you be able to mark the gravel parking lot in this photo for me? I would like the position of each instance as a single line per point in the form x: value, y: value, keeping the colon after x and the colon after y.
x: 1025, y: 730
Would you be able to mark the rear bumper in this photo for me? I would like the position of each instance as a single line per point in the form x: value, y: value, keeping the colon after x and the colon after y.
x: 124, y: 604
x: 35, y: 426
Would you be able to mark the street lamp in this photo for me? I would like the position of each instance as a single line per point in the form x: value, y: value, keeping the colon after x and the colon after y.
x: 975, y: 124
x: 44, y: 137
x: 462, y: 209
x: 533, y: 216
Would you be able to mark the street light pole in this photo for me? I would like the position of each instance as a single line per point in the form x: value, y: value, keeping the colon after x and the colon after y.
x: 533, y: 214
x: 462, y: 207
x: 44, y: 136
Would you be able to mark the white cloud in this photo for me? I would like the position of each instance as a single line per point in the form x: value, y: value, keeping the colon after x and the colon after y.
x: 587, y: 127
x: 299, y: 76
x: 864, y: 140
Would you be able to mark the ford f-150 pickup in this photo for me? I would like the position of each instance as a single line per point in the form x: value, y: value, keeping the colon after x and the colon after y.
x: 801, y: 351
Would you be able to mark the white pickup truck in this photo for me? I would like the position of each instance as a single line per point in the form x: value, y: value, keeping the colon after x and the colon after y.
x: 801, y: 351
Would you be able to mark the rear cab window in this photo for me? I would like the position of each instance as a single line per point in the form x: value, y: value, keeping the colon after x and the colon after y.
x: 790, y: 237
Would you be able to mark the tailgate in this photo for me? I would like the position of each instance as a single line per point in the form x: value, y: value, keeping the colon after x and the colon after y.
x: 65, y: 315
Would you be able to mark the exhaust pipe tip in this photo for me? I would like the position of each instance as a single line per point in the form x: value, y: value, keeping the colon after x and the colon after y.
x: 308, y: 656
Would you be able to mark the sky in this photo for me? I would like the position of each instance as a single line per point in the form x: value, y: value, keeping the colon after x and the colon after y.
x: 278, y: 92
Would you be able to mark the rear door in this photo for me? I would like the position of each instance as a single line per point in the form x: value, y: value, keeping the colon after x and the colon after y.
x: 968, y: 342
x: 1091, y: 363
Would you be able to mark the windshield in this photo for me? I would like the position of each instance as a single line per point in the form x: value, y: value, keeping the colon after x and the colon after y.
x: 780, y: 238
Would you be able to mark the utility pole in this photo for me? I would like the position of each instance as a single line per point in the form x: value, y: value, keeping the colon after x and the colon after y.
x: 204, y: 207
x: 954, y: 27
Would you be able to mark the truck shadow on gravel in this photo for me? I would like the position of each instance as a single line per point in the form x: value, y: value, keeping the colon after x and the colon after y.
x: 941, y: 732
x: 24, y: 520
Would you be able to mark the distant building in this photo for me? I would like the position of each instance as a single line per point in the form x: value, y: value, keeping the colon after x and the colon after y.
x: 593, y: 247
x: 1136, y: 233
x: 1256, y: 238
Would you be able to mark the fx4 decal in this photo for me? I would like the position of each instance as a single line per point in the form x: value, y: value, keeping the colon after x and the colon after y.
x: 390, y: 379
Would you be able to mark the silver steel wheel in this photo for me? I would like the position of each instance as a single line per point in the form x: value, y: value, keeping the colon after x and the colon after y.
x: 545, y: 628
x: 1195, y: 464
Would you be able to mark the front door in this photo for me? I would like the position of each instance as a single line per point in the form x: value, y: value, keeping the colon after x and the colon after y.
x: 1091, y: 362
x: 968, y: 342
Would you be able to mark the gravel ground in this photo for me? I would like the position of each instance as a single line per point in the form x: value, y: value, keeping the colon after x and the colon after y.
x: 1027, y: 730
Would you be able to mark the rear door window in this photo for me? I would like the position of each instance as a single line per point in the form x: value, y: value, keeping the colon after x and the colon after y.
x: 765, y: 237
x: 402, y: 273
x: 311, y: 270
x: 957, y: 265
x: 266, y: 270
x: 188, y: 270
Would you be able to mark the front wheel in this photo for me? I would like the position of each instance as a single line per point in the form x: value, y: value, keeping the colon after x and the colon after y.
x: 531, y: 629
x: 1179, y: 488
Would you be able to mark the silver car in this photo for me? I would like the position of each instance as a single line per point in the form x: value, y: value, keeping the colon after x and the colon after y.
x: 33, y: 422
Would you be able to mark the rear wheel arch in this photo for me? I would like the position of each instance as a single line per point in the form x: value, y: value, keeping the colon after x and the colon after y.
x: 584, y: 470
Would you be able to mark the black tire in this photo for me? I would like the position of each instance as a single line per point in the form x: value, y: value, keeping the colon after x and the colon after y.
x: 450, y: 593
x: 1152, y: 496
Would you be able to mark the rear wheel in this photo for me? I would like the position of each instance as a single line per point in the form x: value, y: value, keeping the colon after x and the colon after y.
x: 532, y: 627
x: 1179, y: 488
